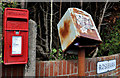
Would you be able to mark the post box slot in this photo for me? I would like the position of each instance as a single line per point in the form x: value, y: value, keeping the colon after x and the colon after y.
x: 16, y: 19
x: 74, y: 50
x: 82, y: 41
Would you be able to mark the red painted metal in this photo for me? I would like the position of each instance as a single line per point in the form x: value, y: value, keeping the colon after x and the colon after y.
x: 15, y: 20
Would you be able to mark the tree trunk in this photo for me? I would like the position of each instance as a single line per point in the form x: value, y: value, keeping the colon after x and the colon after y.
x: 40, y: 31
x: 100, y: 22
x: 59, y: 20
x: 46, y: 28
x: 34, y: 9
x: 51, y: 25
x: 95, y: 12
x: 60, y: 9
x: 22, y: 4
x: 81, y: 4
x: 102, y: 16
x: 26, y: 4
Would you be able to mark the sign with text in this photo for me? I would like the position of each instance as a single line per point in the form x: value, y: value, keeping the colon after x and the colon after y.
x: 105, y: 66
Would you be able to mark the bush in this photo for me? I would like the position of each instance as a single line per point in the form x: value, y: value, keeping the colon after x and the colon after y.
x: 111, y: 40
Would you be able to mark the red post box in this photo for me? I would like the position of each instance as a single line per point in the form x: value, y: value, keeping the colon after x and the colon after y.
x: 15, y: 34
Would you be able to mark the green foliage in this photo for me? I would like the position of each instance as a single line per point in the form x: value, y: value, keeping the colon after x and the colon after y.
x: 71, y: 57
x: 1, y: 55
x: 60, y: 55
x: 57, y: 54
x: 111, y: 40
x: 8, y: 5
x: 1, y: 61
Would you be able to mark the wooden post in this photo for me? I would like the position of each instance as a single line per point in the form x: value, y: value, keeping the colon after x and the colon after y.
x: 81, y: 62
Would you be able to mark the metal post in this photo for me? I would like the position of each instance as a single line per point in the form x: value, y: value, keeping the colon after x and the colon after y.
x: 81, y: 62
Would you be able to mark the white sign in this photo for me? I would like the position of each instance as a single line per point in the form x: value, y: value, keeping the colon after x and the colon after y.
x: 112, y: 65
x: 16, y: 44
x: 105, y: 66
x: 85, y: 22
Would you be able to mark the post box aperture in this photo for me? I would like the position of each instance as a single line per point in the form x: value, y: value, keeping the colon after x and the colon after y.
x: 15, y: 34
x: 76, y: 28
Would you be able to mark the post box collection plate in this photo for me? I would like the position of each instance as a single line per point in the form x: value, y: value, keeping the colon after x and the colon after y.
x: 15, y: 34
x: 16, y: 44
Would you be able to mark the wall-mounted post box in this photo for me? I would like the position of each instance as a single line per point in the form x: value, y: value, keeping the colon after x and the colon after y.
x: 15, y: 34
x: 76, y: 28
